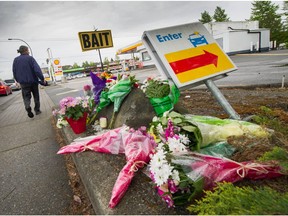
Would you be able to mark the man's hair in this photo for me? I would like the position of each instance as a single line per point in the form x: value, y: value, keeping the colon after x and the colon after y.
x: 22, y: 49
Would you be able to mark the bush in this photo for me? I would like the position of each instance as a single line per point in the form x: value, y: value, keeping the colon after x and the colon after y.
x: 227, y: 199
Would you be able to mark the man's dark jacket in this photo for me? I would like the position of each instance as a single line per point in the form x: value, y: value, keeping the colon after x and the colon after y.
x: 26, y: 70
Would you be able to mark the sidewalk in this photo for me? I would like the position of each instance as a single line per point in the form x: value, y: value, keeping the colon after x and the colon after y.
x: 33, y: 178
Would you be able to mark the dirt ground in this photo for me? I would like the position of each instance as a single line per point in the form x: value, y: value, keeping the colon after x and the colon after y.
x: 246, y: 103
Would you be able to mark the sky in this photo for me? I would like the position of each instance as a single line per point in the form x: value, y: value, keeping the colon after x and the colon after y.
x: 54, y: 25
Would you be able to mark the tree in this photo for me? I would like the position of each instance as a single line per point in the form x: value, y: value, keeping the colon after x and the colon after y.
x: 285, y: 24
x: 85, y: 64
x: 219, y: 15
x: 266, y: 13
x: 205, y: 17
x: 75, y: 65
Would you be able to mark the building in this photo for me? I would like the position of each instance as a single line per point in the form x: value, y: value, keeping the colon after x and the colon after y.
x: 232, y: 37
x: 240, y: 37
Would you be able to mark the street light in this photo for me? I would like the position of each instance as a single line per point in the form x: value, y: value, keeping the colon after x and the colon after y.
x: 22, y: 41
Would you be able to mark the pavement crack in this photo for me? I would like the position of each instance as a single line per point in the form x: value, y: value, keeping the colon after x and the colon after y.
x: 27, y: 144
x: 9, y: 193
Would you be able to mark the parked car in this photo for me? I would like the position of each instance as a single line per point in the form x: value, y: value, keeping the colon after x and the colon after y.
x: 5, y: 89
x: 13, y: 84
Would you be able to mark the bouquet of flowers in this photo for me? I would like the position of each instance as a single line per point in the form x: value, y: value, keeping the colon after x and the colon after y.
x: 180, y: 174
x: 71, y: 107
x: 161, y: 95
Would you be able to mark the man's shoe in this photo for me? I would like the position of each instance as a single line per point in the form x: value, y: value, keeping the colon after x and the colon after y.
x: 38, y: 112
x: 30, y: 114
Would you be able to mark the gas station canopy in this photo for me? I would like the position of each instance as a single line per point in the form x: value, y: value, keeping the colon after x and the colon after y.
x: 132, y: 48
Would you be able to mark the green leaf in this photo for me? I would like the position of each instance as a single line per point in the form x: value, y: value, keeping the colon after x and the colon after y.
x: 174, y: 114
x: 189, y: 128
x: 177, y: 121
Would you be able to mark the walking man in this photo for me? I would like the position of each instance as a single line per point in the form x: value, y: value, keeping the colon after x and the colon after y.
x: 27, y: 72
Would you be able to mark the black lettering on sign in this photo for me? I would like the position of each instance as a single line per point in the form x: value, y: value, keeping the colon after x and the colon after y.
x: 85, y: 39
x: 106, y: 37
x: 100, y: 38
x: 95, y: 42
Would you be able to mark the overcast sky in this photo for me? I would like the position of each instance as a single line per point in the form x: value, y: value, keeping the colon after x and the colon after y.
x: 55, y: 25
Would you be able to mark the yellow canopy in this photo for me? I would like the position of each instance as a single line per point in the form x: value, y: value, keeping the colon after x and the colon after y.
x: 132, y: 48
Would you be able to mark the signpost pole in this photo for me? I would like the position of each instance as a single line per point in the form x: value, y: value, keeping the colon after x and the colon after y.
x: 221, y: 99
x: 99, y: 54
x: 101, y: 60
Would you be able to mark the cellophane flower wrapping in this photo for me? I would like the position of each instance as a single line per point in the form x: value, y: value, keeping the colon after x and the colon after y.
x: 138, y: 145
x: 109, y: 142
x: 180, y: 173
x: 99, y: 85
x: 210, y: 169
x: 118, y: 92
x: 214, y: 129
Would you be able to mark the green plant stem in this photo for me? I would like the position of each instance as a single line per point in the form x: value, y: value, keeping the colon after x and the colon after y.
x: 112, y: 121
x: 92, y: 120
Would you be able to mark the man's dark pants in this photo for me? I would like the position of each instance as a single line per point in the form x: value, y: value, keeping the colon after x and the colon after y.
x: 27, y: 89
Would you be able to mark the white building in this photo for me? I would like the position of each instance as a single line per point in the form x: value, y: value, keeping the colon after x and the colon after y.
x: 233, y: 38
x: 240, y: 37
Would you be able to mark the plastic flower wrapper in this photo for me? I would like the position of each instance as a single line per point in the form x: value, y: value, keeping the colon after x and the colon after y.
x: 162, y: 97
x: 99, y: 85
x: 108, y: 142
x: 215, y: 129
x: 117, y: 93
x: 138, y: 146
x: 209, y: 169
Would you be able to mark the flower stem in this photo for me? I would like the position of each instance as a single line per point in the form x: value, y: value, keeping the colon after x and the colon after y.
x: 92, y: 120
x: 112, y: 120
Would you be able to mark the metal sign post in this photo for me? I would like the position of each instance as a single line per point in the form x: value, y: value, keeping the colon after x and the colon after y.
x: 189, y: 55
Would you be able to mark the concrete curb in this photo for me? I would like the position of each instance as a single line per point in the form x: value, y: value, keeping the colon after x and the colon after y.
x: 99, y: 172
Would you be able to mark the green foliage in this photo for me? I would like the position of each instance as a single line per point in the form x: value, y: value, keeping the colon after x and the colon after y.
x: 205, y: 17
x: 220, y: 15
x: 277, y: 154
x: 266, y: 13
x: 230, y: 200
x: 75, y: 65
x: 268, y: 118
x: 157, y: 89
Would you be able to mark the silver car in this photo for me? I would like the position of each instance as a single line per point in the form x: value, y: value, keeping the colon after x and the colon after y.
x: 13, y: 84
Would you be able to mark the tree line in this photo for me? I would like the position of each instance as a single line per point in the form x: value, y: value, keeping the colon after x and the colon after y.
x: 266, y: 12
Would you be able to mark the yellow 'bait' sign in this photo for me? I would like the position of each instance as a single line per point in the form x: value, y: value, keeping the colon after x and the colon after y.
x: 95, y: 40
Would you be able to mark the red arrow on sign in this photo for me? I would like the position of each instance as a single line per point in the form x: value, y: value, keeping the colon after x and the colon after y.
x: 194, y: 62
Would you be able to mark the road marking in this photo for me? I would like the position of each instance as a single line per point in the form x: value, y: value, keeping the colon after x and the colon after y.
x: 75, y: 90
x: 261, y: 54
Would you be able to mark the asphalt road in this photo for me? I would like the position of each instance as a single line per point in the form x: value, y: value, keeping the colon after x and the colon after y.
x: 253, y: 69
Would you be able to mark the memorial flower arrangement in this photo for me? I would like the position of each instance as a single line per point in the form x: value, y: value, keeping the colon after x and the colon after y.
x: 161, y: 94
x: 110, y: 89
x: 70, y: 107
x: 181, y: 171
